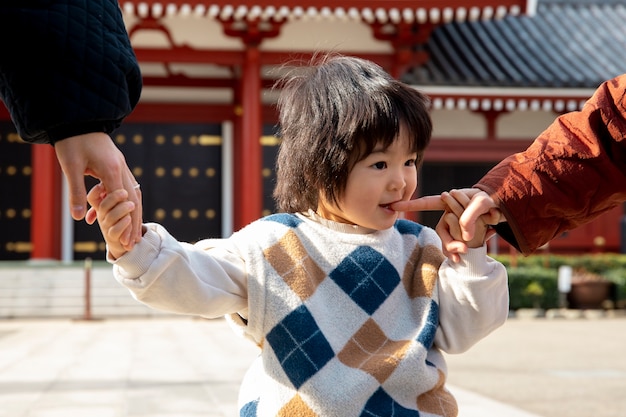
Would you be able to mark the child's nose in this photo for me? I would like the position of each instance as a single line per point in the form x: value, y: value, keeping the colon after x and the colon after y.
x: 397, y: 181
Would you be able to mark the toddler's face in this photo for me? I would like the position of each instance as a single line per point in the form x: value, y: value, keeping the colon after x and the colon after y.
x: 381, y: 178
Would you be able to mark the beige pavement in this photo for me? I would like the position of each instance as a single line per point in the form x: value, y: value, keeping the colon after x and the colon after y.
x: 182, y: 367
x: 550, y: 367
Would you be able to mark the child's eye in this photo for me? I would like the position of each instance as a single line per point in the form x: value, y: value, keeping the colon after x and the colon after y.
x: 380, y: 165
x: 410, y: 163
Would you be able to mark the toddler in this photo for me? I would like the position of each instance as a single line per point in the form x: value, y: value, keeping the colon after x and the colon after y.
x: 350, y: 305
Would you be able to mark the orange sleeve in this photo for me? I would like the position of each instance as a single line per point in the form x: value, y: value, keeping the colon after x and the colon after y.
x: 574, y: 171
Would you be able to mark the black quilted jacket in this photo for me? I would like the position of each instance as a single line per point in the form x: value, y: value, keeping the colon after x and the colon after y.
x: 66, y: 67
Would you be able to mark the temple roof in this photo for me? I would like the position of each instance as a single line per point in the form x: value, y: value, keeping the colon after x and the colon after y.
x: 570, y: 44
x: 481, y: 54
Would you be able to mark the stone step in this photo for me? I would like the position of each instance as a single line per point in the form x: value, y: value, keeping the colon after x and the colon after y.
x: 58, y: 290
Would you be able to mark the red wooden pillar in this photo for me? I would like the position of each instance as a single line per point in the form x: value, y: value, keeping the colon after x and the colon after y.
x: 45, y: 202
x: 248, y: 162
x: 237, y: 161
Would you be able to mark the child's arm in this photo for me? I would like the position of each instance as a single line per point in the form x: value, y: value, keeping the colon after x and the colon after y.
x: 114, y: 216
x: 208, y: 278
x: 473, y: 288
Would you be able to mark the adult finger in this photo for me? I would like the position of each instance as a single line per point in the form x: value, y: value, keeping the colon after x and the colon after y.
x: 73, y: 155
x: 427, y: 203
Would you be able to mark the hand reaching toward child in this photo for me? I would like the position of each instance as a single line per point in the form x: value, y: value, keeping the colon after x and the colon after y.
x: 113, y: 211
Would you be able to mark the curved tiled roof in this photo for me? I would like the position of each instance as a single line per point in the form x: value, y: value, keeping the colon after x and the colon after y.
x: 566, y: 44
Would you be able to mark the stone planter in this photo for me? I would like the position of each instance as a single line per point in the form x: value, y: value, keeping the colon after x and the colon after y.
x: 591, y: 294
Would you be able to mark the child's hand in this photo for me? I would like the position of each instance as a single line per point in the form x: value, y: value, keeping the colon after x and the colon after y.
x: 450, y: 230
x: 113, y: 214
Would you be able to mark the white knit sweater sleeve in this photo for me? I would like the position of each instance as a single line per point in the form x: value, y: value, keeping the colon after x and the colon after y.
x: 473, y: 300
x: 207, y: 278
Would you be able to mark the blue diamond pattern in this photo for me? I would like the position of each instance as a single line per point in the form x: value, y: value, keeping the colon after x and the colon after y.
x: 382, y: 405
x: 367, y: 277
x: 289, y: 220
x: 249, y: 409
x: 300, y: 346
x: 427, y: 336
x: 407, y: 227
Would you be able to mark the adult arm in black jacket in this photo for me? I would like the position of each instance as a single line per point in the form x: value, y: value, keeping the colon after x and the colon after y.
x: 69, y: 77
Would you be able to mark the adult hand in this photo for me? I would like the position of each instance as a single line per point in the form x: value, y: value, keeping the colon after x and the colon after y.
x: 480, y: 204
x: 96, y: 155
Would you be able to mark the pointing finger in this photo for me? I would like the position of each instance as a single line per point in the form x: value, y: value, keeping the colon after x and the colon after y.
x: 427, y: 203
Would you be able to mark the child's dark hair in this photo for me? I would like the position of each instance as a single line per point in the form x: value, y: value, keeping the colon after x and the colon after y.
x: 332, y: 114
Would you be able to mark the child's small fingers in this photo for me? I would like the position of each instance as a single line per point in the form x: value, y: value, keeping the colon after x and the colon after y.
x: 460, y: 197
x: 120, y: 211
x: 492, y: 217
x: 448, y: 229
x: 94, y: 196
x: 91, y: 215
x: 108, y: 218
x: 116, y: 231
x: 452, y: 203
x: 443, y: 232
x: 112, y: 199
x: 456, y: 247
x: 127, y: 238
x: 452, y: 222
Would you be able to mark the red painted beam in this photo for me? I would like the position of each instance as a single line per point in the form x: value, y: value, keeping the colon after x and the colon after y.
x: 180, y: 113
x: 192, y: 113
x: 473, y: 150
x: 178, y: 80
x: 187, y: 55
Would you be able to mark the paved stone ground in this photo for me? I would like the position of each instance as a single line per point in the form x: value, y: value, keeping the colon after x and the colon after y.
x: 550, y: 367
x: 181, y: 367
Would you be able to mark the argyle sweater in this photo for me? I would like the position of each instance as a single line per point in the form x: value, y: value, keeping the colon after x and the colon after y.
x: 350, y: 322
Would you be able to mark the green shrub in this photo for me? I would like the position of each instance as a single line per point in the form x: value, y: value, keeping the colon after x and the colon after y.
x: 532, y: 287
x: 533, y: 280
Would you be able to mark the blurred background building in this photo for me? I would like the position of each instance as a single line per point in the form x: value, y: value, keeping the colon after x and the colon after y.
x: 201, y: 141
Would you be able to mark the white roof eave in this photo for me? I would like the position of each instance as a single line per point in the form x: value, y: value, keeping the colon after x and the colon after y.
x: 367, y: 14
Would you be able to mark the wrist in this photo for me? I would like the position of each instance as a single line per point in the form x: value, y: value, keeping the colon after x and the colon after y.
x: 115, y: 254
